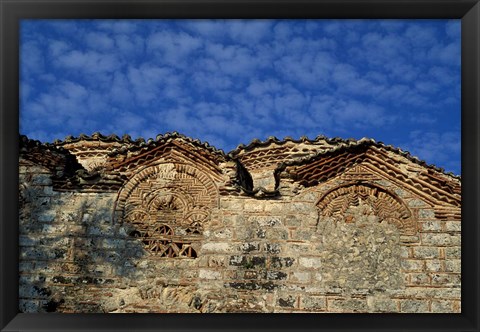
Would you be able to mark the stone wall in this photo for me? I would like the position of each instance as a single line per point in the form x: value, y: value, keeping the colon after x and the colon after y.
x: 336, y: 246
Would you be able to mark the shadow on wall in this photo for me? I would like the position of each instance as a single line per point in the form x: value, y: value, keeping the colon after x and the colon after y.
x: 70, y: 253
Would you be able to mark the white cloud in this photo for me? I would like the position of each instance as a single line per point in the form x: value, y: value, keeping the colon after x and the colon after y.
x: 173, y: 47
x: 258, y: 88
x: 440, y: 148
x: 73, y: 90
x: 211, y: 82
x: 58, y: 47
x: 99, y: 41
x: 309, y: 70
x: 234, y: 60
x: 25, y: 91
x: 90, y: 61
x: 129, y: 45
x: 392, y: 25
x: 151, y: 83
x: 118, y: 26
x: 453, y: 29
x: 426, y: 87
x: 248, y: 31
x: 210, y: 29
x: 347, y: 114
x: 288, y: 102
x: 232, y: 81
x: 125, y: 121
x: 32, y: 57
x: 420, y: 35
x: 446, y: 53
x: 442, y: 75
x: 120, y: 91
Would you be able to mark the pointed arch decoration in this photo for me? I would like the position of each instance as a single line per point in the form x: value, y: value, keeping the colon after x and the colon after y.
x: 167, y: 207
x: 360, y: 202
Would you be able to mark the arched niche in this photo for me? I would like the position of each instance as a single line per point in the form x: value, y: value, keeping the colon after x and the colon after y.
x: 362, y: 202
x: 167, y: 207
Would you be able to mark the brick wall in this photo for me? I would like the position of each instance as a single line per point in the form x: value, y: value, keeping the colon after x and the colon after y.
x: 276, y: 254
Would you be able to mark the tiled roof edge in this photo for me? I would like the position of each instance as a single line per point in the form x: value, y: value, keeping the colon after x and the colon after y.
x: 367, y: 142
x: 26, y: 142
x: 272, y: 139
x: 142, y: 144
x: 96, y: 136
x: 139, y: 143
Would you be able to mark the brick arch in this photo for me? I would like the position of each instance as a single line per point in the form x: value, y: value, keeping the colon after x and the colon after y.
x: 373, y: 200
x: 167, y: 172
x: 174, y: 195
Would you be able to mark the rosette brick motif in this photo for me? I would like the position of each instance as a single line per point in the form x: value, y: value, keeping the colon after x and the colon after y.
x: 167, y: 206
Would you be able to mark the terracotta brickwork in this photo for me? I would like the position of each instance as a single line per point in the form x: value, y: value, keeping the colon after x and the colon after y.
x: 109, y: 224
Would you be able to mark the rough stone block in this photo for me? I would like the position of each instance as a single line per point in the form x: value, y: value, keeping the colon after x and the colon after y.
x: 112, y: 243
x: 434, y: 265
x: 27, y: 241
x: 250, y: 274
x: 231, y: 205
x: 412, y: 265
x: 249, y: 247
x: 316, y: 303
x: 409, y: 238
x: 442, y: 306
x: 41, y: 179
x: 453, y: 252
x: 266, y: 221
x: 404, y: 252
x: 281, y: 262
x: 303, y: 207
x: 276, y: 234
x: 209, y: 274
x: 414, y: 306
x: 301, y: 277
x: 347, y: 305
x: 431, y: 225
x: 223, y: 234
x: 276, y: 275
x: 287, y: 301
x: 293, y: 220
x: 441, y: 239
x: 453, y: 226
x: 310, y: 262
x: 47, y: 190
x: 453, y: 265
x: 426, y: 213
x: 254, y: 206
x: 425, y: 252
x: 427, y: 293
x: 445, y: 279
x: 217, y: 247
x: 217, y: 261
x: 381, y: 304
x: 272, y: 248
x: 297, y: 248
x: 419, y: 279
x: 274, y: 207
x: 47, y: 216
x: 29, y: 306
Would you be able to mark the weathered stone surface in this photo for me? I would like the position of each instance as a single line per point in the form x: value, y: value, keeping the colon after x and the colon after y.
x: 174, y: 226
x: 414, y: 306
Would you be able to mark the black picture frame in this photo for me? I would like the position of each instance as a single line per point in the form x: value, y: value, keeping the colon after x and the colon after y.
x: 12, y: 11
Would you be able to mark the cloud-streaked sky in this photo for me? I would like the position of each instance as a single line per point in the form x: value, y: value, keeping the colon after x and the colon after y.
x: 230, y: 81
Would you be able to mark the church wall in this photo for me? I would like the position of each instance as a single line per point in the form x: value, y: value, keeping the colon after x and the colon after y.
x: 255, y: 255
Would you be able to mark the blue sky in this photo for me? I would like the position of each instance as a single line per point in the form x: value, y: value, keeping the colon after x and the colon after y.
x: 230, y: 81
